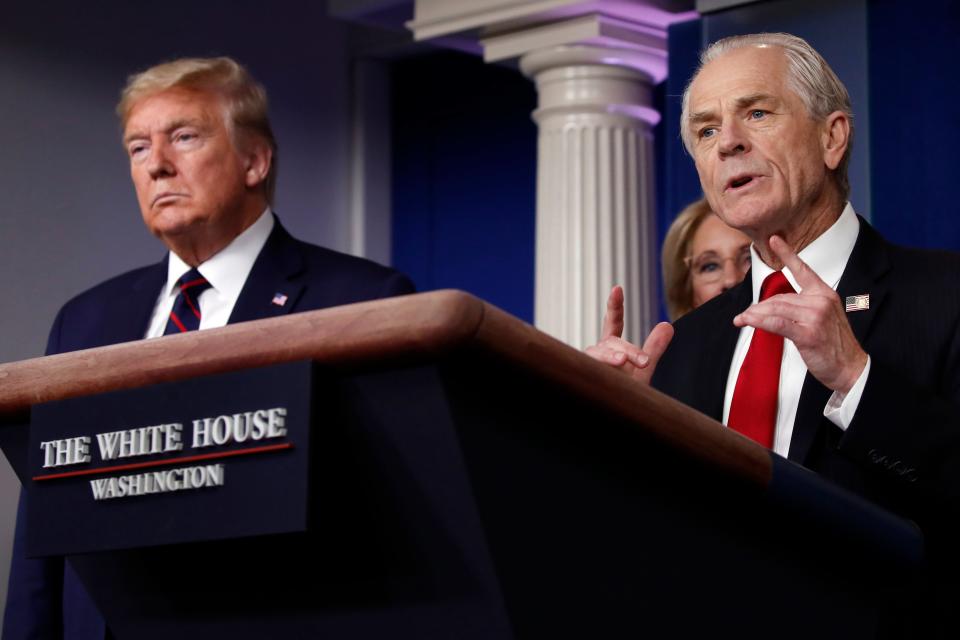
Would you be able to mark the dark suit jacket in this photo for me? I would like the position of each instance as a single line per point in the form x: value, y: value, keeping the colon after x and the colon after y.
x: 46, y: 599
x: 902, y: 449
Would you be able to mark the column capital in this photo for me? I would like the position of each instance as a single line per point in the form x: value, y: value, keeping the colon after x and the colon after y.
x: 589, y: 39
x: 578, y: 80
x: 649, y: 64
x: 507, y: 29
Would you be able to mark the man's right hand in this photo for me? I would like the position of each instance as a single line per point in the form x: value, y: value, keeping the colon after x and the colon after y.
x: 612, y: 349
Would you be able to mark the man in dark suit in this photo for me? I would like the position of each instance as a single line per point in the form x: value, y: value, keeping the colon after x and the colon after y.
x: 203, y: 163
x: 851, y: 364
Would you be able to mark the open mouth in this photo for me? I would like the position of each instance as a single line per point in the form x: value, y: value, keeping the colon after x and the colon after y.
x: 740, y: 181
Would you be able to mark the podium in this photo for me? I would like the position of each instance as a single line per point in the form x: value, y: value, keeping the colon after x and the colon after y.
x: 459, y: 474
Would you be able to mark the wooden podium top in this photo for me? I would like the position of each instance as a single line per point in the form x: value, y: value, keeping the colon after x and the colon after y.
x: 417, y: 327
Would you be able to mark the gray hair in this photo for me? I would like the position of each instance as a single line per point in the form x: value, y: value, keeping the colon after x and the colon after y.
x: 808, y: 75
x: 245, y: 99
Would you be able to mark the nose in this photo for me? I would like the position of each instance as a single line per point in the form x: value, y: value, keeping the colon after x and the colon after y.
x: 159, y: 164
x: 733, y: 139
x: 731, y: 274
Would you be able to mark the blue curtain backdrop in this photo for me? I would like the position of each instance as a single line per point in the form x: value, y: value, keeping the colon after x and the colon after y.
x: 915, y: 132
x: 465, y: 178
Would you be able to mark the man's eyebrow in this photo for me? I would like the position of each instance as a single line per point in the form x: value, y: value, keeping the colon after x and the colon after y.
x: 171, y: 126
x: 700, y: 116
x: 744, y: 102
x: 133, y: 135
x: 752, y: 99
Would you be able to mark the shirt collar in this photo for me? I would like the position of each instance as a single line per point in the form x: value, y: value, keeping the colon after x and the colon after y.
x: 827, y: 255
x: 228, y: 269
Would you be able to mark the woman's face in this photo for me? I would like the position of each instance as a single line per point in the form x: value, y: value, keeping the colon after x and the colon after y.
x: 719, y: 258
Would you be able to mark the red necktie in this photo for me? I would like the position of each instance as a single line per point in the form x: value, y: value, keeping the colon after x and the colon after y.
x: 753, y: 411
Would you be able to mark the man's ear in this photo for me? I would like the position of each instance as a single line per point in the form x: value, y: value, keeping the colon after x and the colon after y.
x: 835, y: 138
x: 258, y: 159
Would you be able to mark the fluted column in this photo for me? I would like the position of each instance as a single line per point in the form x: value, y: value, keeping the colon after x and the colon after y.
x: 595, y: 187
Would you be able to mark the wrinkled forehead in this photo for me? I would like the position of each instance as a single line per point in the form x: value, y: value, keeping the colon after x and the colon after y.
x: 751, y: 70
x: 158, y: 109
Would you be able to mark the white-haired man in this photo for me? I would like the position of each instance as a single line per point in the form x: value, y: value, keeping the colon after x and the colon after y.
x: 840, y: 350
x: 203, y: 163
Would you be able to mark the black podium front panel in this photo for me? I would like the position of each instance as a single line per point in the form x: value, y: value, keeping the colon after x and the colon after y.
x: 217, y: 457
x: 393, y: 547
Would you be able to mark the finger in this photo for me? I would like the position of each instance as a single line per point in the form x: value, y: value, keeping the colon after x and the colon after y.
x: 800, y: 333
x: 620, y: 359
x: 791, y: 307
x: 804, y: 275
x: 657, y: 342
x: 613, y: 318
x: 633, y: 353
x: 608, y: 356
x: 774, y: 324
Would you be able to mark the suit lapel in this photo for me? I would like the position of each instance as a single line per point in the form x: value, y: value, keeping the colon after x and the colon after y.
x: 129, y: 321
x: 271, y: 289
x: 863, y: 275
x: 869, y: 262
x: 714, y: 368
x: 806, y: 424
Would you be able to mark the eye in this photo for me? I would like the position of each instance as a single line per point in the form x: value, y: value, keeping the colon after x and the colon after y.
x: 708, y: 266
x: 757, y: 114
x: 707, y: 132
x: 136, y: 150
x: 185, y: 136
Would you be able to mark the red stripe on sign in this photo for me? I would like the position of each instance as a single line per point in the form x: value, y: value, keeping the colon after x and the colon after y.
x: 169, y: 461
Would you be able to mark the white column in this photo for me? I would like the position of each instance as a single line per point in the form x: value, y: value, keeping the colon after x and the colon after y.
x: 595, y: 188
x: 594, y: 63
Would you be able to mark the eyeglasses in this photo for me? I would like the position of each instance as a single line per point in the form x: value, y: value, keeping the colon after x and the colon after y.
x: 709, y: 266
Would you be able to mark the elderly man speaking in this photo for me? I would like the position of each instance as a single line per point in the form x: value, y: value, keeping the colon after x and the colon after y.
x: 203, y: 162
x: 840, y: 350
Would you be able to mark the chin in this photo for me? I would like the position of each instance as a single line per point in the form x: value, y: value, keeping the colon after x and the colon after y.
x: 747, y: 215
x: 172, y: 230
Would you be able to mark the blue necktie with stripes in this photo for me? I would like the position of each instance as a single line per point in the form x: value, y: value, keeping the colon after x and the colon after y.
x: 185, y: 315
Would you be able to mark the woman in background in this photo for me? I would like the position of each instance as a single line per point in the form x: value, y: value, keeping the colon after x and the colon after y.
x: 702, y: 257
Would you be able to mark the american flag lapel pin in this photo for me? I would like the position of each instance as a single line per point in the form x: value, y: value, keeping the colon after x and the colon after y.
x: 858, y: 303
x: 279, y: 299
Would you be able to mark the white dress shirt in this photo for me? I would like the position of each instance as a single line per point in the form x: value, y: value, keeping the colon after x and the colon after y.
x: 827, y: 256
x: 226, y: 272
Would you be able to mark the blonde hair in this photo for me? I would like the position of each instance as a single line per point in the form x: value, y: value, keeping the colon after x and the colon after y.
x: 677, y: 284
x: 808, y: 75
x: 244, y: 98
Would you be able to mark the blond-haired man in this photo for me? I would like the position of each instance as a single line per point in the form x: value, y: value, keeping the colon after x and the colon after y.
x: 203, y: 162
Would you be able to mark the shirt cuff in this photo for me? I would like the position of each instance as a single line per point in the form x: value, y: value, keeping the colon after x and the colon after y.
x: 841, y: 407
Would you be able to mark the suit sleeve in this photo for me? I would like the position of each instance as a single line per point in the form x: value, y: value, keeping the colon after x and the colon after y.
x: 44, y: 598
x: 35, y: 587
x: 35, y: 590
x: 905, y: 436
x: 908, y: 438
x: 397, y: 285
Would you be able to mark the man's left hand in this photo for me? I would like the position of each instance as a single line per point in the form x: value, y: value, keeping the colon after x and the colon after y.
x: 814, y: 320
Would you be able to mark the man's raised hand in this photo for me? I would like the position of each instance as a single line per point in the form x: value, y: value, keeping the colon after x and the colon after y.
x: 638, y: 362
x: 814, y: 320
